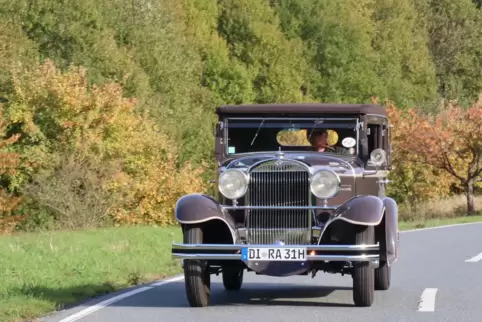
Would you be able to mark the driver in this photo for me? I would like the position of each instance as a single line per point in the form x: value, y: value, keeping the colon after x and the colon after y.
x: 319, y: 141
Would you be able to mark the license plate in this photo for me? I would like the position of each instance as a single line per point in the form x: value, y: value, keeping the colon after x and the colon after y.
x: 273, y: 254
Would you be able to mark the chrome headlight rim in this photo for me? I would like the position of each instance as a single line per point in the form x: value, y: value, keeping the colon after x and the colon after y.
x: 245, y: 177
x: 334, y: 175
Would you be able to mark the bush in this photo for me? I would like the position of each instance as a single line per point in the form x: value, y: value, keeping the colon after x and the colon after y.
x: 436, y: 208
x: 8, y: 162
x: 90, y: 145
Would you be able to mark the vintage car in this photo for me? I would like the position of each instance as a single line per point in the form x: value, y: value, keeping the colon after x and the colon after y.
x: 285, y: 207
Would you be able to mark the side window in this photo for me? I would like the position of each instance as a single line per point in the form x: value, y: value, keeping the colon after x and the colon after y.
x: 379, y: 138
x: 375, y: 137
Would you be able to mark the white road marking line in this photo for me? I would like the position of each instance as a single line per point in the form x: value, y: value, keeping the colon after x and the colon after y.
x: 171, y: 280
x: 100, y: 305
x: 427, y: 300
x: 474, y: 259
x: 120, y: 297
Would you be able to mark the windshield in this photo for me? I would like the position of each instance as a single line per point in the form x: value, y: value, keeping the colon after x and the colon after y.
x: 333, y: 135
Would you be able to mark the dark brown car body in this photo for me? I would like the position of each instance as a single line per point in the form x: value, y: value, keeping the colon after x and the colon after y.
x: 360, y: 201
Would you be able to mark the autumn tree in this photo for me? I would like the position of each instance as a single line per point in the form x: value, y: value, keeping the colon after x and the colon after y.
x: 88, y: 144
x: 8, y: 163
x: 451, y: 141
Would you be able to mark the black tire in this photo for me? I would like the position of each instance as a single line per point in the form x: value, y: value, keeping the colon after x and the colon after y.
x: 196, y: 272
x: 232, y: 278
x: 363, y: 273
x: 383, y: 277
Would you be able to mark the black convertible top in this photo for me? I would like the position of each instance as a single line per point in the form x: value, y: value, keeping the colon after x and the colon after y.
x: 302, y: 108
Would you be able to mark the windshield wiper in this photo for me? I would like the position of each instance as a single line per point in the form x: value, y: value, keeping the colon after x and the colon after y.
x: 257, y: 132
x: 315, y: 123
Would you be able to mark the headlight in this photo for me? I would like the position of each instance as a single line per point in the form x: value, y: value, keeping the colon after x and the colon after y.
x: 378, y: 157
x: 325, y: 184
x: 233, y: 184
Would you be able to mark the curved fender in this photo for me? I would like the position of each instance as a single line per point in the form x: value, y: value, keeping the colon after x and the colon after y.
x: 362, y: 210
x: 198, y: 208
x: 391, y: 229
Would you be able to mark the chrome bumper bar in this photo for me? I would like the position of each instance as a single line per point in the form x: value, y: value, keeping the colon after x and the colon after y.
x: 343, y: 253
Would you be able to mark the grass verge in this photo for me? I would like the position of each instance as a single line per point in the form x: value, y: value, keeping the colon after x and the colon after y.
x: 43, y: 272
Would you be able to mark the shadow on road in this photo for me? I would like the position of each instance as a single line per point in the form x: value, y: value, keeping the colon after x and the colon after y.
x: 277, y: 295
x: 173, y: 295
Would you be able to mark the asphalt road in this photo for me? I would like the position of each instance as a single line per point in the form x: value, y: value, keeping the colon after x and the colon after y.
x: 437, y: 278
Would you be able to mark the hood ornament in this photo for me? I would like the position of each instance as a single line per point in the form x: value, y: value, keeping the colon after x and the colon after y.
x: 280, y: 154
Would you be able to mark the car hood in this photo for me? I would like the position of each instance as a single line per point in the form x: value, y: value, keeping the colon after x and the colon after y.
x: 312, y: 159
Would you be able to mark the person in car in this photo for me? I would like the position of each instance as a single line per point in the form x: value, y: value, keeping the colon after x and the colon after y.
x: 319, y: 141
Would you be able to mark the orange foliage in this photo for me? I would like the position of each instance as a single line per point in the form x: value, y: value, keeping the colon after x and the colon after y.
x: 62, y: 114
x: 450, y: 141
x: 8, y: 164
x: 412, y: 181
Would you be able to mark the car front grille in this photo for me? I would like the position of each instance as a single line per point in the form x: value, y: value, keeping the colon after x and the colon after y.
x: 280, y: 184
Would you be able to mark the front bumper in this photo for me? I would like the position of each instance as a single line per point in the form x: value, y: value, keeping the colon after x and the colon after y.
x: 341, y: 253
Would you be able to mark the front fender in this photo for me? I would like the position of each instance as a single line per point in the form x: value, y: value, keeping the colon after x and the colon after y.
x: 371, y: 211
x: 391, y: 229
x: 199, y: 208
x: 361, y: 210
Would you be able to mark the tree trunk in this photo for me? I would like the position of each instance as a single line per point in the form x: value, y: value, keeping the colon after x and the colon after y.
x: 470, y: 197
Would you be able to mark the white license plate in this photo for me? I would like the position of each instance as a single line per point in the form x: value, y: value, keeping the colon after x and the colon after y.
x: 273, y: 254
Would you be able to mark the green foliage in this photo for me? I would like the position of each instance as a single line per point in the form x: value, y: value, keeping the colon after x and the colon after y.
x: 142, y: 40
x: 376, y: 49
x: 404, y: 64
x: 455, y: 30
x: 180, y: 59
x: 88, y: 145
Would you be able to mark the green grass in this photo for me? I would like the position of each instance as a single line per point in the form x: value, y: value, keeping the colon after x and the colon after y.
x: 42, y: 272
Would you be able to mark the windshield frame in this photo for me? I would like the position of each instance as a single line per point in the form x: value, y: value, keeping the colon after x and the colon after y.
x: 264, y: 119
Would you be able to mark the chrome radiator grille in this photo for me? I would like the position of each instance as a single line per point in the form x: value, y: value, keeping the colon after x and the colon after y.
x: 285, y: 185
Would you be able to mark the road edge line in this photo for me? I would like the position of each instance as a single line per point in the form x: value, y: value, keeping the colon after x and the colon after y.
x: 93, y: 308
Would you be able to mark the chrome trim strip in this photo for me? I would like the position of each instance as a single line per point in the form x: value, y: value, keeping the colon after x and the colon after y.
x: 279, y: 207
x: 274, y: 159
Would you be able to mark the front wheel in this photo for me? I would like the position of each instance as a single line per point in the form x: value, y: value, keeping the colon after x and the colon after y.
x: 363, y: 272
x: 196, y: 272
x: 383, y: 276
x: 232, y: 278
